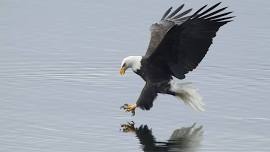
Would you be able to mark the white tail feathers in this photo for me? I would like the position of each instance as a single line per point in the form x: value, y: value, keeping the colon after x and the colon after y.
x: 188, y: 94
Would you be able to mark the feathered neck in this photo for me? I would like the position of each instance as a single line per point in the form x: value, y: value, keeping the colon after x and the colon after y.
x: 133, y: 62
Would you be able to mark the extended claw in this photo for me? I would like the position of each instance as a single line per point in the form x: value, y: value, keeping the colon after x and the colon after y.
x: 129, y: 108
x: 128, y: 127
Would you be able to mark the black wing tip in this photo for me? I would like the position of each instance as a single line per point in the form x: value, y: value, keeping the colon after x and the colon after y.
x: 212, y: 14
x: 181, y: 15
x: 198, y: 11
x: 166, y: 13
x: 176, y: 11
x: 217, y: 4
x: 224, y: 20
x: 182, y: 6
x: 177, y: 14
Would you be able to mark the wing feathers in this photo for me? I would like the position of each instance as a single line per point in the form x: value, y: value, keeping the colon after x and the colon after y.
x: 168, y: 20
x: 223, y: 19
x: 182, y: 14
x: 176, y: 11
x: 198, y: 11
x: 215, y: 12
x: 177, y: 18
x: 214, y: 16
x: 166, y: 13
x: 187, y: 41
x: 208, y: 10
x: 218, y: 16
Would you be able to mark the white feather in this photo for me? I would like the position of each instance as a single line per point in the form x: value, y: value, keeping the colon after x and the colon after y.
x: 188, y: 94
x: 133, y: 62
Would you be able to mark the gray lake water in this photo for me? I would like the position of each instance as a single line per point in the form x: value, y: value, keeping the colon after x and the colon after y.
x: 60, y: 89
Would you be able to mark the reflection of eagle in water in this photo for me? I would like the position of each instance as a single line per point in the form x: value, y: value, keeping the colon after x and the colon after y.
x: 178, y: 44
x: 185, y: 139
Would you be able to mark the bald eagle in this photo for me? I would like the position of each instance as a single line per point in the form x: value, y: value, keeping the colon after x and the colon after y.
x: 178, y: 43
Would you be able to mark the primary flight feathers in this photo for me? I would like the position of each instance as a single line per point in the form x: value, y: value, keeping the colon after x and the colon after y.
x: 183, y: 40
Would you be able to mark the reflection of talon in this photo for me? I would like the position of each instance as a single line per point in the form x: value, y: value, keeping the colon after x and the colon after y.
x: 128, y: 127
x: 129, y: 108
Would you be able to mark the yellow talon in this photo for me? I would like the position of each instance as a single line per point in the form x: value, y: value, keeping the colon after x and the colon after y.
x: 129, y: 108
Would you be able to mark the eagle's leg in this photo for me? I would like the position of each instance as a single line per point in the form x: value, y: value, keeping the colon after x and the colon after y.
x: 128, y: 127
x: 129, y: 108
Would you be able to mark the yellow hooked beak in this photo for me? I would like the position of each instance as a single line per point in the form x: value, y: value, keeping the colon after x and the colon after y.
x: 122, y: 71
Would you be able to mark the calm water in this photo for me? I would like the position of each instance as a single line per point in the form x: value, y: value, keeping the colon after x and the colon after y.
x: 60, y: 89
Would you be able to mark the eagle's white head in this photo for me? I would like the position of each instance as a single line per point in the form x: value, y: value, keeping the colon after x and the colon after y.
x: 133, y: 62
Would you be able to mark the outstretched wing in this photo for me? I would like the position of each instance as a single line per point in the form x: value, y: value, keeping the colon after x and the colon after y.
x: 160, y: 29
x: 184, y: 46
x: 147, y: 97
